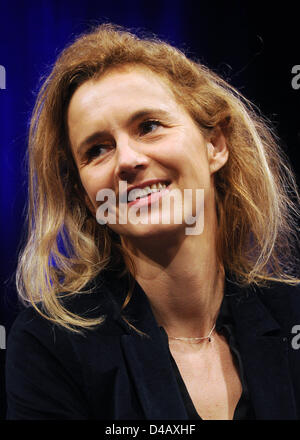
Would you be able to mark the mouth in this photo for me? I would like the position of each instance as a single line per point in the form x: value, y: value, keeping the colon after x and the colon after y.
x: 145, y: 190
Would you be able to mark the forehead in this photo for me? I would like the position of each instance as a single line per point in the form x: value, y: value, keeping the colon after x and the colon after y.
x: 127, y: 87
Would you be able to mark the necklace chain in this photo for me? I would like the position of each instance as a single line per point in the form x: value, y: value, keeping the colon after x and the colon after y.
x: 209, y: 337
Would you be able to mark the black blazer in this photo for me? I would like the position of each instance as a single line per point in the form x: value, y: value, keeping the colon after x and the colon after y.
x: 114, y: 373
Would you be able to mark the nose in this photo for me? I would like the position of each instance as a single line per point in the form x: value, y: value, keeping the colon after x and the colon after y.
x: 130, y: 160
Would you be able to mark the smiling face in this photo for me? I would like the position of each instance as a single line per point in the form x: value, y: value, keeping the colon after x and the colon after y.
x: 127, y: 126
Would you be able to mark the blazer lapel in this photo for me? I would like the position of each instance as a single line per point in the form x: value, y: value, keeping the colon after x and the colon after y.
x: 149, y: 362
x: 264, y: 350
x: 263, y: 346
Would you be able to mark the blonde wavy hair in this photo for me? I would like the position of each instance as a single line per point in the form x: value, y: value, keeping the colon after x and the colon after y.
x: 256, y: 194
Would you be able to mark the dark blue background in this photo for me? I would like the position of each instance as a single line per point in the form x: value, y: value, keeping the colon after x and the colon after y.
x: 250, y: 45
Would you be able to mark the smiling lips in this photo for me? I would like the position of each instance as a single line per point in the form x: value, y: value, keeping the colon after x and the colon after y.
x: 139, y: 193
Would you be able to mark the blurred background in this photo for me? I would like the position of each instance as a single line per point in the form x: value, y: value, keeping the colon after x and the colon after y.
x: 254, y: 47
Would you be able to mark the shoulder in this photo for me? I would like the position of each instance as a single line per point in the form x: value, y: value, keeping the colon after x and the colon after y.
x: 32, y: 329
x: 280, y: 296
x: 269, y: 292
x: 45, y: 359
x: 278, y: 300
x: 281, y: 301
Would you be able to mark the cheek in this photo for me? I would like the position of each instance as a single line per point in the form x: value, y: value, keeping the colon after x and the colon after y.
x: 92, y: 183
x: 189, y: 157
x: 187, y: 145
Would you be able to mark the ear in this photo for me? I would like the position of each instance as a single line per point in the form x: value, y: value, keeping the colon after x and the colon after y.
x: 217, y: 153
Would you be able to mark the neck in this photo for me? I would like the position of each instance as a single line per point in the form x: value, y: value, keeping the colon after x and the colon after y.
x: 184, y: 283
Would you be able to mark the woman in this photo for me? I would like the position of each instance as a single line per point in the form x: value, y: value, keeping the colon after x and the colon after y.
x: 139, y: 319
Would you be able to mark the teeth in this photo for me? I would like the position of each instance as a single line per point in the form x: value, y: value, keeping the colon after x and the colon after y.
x: 143, y: 192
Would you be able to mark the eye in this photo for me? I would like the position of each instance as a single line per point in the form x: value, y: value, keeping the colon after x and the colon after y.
x: 96, y: 151
x: 149, y: 126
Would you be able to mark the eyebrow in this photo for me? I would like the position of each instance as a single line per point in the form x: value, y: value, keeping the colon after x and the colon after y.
x: 145, y: 112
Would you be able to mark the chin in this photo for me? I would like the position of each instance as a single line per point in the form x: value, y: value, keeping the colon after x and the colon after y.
x: 141, y: 231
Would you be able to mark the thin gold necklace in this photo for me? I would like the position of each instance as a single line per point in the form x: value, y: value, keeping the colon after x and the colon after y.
x: 209, y: 337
